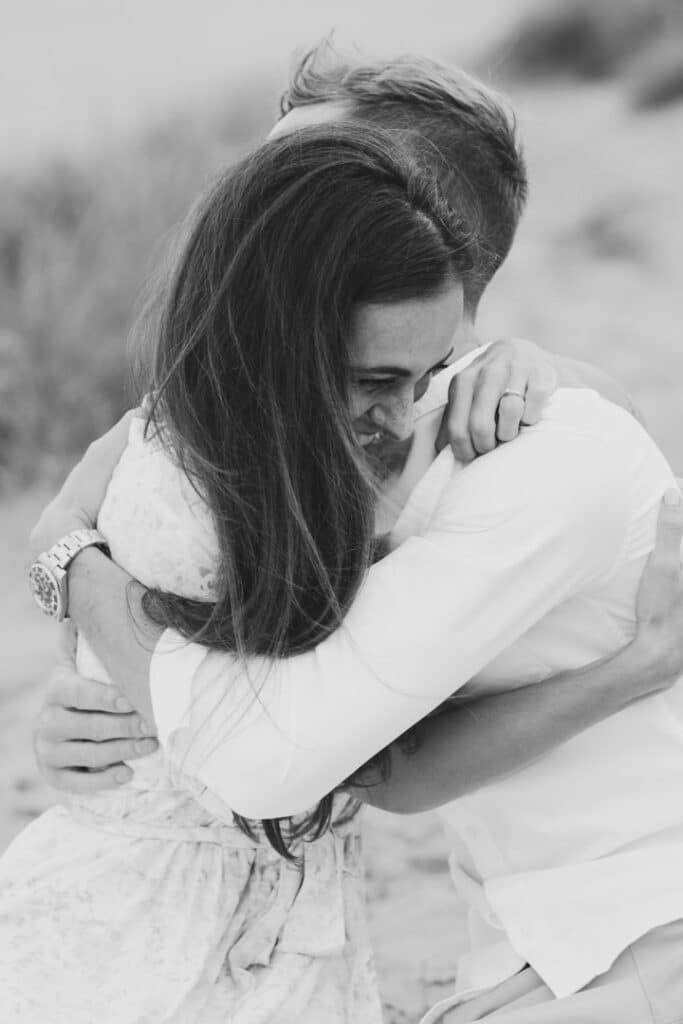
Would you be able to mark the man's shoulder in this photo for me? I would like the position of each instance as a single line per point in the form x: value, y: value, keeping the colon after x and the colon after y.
x: 584, y: 452
x: 582, y: 412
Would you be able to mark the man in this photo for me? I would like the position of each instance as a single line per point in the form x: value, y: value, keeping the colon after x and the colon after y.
x: 563, y: 516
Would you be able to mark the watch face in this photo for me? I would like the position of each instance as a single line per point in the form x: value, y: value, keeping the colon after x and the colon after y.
x: 44, y: 589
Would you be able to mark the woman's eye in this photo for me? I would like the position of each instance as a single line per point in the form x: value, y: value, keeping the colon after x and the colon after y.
x: 423, y: 383
x: 371, y: 385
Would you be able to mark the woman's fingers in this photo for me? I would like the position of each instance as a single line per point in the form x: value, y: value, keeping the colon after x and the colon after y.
x: 455, y: 428
x: 491, y: 382
x: 504, y: 387
x: 512, y: 403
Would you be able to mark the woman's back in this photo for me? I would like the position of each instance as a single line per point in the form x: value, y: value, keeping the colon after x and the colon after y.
x: 148, y: 902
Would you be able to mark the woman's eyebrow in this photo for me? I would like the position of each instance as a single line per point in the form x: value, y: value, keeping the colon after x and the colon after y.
x: 389, y: 371
x: 399, y: 371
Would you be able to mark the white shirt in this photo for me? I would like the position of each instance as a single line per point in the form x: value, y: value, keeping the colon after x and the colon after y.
x: 523, y: 564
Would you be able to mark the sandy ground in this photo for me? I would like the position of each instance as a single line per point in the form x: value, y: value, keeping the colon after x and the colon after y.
x: 414, y: 918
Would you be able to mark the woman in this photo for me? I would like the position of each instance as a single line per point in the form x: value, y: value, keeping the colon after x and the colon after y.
x: 308, y: 266
x: 245, y: 499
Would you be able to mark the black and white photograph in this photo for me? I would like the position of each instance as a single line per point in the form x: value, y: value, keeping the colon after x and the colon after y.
x: 341, y: 512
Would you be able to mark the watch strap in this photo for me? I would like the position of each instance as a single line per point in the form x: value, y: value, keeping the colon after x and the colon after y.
x: 65, y: 550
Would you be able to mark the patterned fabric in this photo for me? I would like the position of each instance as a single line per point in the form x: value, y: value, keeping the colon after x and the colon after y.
x: 148, y: 904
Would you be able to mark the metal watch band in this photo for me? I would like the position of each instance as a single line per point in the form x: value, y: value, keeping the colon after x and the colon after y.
x: 66, y: 549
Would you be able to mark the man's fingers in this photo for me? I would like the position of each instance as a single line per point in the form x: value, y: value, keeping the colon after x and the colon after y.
x: 78, y: 754
x: 71, y: 780
x: 660, y: 588
x: 59, y: 723
x: 69, y: 690
x: 667, y: 550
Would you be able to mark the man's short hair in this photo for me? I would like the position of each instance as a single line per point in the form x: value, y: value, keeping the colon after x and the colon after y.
x: 454, y: 127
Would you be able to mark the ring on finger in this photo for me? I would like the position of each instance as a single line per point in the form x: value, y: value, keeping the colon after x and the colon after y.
x: 513, y: 392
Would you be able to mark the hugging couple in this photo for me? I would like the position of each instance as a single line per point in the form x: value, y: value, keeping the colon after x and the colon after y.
x: 344, y: 553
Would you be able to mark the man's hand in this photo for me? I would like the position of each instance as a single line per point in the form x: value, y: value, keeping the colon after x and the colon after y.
x: 84, y: 732
x: 659, y: 606
x: 78, y: 502
x: 488, y: 401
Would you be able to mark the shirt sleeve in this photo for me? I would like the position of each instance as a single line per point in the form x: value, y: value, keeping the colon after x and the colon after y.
x: 510, y: 537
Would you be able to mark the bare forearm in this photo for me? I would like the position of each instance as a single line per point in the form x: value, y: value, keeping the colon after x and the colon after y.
x: 573, y: 373
x: 105, y: 604
x: 464, y: 748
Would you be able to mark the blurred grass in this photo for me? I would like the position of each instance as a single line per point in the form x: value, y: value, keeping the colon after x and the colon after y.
x: 77, y: 244
x: 588, y: 40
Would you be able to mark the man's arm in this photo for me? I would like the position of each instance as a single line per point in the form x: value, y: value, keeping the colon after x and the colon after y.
x: 450, y: 753
x: 464, y: 748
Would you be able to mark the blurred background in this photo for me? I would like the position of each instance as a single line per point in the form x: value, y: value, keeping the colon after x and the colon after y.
x: 116, y: 114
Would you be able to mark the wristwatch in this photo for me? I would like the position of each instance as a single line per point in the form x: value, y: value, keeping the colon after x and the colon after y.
x: 48, y: 575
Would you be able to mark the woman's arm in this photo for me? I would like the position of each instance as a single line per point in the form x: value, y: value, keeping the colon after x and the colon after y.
x: 105, y: 604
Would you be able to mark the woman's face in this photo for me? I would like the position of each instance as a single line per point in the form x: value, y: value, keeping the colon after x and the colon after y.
x: 395, y: 348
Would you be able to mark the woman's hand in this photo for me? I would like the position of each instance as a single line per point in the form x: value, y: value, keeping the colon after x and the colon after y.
x: 659, y: 608
x: 78, y: 502
x: 505, y: 387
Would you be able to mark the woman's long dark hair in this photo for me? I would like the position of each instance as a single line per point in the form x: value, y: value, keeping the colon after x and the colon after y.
x: 250, y: 378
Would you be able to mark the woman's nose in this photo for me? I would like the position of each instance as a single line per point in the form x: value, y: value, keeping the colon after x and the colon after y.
x: 394, y: 418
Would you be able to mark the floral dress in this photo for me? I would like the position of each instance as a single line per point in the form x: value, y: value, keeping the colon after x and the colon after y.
x: 147, y: 904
